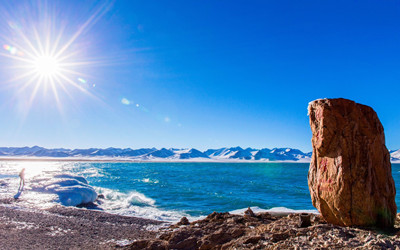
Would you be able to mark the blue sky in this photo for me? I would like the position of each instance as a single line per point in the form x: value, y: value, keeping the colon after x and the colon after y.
x: 202, y: 74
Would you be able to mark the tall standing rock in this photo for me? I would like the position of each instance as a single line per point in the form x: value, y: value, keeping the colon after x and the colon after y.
x: 350, y: 176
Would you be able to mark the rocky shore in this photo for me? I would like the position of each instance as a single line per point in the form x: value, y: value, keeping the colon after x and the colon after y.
x: 72, y: 228
x: 267, y: 231
x: 68, y: 228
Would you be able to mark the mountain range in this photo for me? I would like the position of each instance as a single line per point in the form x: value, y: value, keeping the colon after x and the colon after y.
x: 154, y: 154
x: 171, y: 154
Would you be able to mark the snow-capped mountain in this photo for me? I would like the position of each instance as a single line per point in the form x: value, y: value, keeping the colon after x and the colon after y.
x: 231, y: 153
x: 143, y: 154
x: 171, y: 154
x: 395, y: 155
x: 245, y: 154
x: 162, y: 153
x: 192, y: 153
x: 137, y: 152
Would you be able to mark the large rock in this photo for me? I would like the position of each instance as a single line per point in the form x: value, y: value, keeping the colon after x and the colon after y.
x: 350, y: 176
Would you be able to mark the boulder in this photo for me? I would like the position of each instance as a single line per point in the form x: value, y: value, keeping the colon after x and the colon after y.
x: 350, y: 176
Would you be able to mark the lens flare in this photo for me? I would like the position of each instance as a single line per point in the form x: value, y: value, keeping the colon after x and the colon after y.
x: 125, y: 101
x: 81, y: 80
x: 12, y: 50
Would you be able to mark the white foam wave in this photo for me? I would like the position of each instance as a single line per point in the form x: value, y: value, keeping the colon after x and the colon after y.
x: 91, y: 172
x: 148, y: 180
x: 275, y: 210
x: 123, y: 200
x: 136, y: 204
x: 49, y: 183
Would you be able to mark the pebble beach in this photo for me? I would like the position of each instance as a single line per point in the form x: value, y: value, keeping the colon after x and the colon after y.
x: 62, y: 227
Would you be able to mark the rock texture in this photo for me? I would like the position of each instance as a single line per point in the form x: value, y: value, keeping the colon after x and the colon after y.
x: 350, y: 176
x: 267, y: 231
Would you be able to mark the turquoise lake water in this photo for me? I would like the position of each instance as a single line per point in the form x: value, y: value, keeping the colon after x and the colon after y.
x: 201, y: 188
x: 168, y: 191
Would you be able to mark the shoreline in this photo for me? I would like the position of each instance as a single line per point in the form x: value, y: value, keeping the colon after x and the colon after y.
x: 128, y: 160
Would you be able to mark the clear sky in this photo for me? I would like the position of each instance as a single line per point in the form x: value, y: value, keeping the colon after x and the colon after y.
x: 202, y: 74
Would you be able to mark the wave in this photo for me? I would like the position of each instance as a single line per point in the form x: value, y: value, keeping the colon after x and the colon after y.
x: 136, y: 204
x: 125, y: 199
x: 147, y: 180
x: 50, y: 184
x: 90, y: 171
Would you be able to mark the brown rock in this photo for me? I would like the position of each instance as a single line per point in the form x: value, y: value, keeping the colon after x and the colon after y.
x: 184, y: 221
x: 350, y: 177
x: 249, y: 213
x: 236, y: 232
x: 218, y: 237
x: 146, y: 244
x: 304, y: 220
x: 252, y: 240
x: 225, y: 231
x: 280, y: 236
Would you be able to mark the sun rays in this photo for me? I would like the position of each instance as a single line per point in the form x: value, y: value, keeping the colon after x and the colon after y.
x: 46, y: 55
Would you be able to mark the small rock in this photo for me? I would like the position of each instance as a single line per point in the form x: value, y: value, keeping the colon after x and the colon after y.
x: 184, y: 221
x: 304, y: 220
x: 279, y: 237
x: 253, y: 240
x: 249, y: 213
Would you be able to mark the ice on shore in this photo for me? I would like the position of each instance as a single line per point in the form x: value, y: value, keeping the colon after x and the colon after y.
x: 274, y: 210
x: 71, y: 190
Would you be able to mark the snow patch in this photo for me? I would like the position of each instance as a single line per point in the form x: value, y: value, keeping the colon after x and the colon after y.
x: 57, y: 231
x: 273, y: 210
x: 121, y: 243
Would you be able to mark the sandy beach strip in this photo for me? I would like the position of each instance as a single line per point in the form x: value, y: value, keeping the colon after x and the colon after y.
x: 68, y: 228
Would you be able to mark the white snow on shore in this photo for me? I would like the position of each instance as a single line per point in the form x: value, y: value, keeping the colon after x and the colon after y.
x: 71, y: 190
x: 274, y: 210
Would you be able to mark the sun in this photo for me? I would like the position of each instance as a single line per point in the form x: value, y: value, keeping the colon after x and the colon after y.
x: 43, y: 60
x: 46, y: 66
x: 47, y: 57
